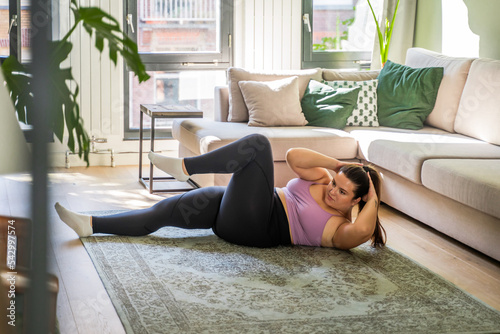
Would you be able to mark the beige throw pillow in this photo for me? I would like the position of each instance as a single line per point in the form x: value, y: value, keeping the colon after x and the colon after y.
x: 478, y: 113
x: 273, y: 103
x: 339, y: 75
x: 237, y: 109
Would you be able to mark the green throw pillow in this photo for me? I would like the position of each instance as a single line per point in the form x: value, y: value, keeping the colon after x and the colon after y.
x: 329, y: 107
x: 406, y: 95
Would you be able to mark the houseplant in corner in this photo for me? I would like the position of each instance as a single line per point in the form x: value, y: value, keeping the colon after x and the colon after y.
x: 384, y: 39
x: 65, y: 111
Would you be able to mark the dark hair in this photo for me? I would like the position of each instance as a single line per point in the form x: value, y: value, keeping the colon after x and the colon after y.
x: 358, y: 175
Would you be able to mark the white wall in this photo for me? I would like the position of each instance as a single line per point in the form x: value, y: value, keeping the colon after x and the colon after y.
x: 267, y: 36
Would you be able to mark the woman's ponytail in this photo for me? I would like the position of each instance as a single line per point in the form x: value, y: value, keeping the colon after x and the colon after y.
x: 379, y: 235
x: 357, y: 174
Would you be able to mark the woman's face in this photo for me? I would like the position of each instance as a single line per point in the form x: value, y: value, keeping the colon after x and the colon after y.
x: 340, y: 193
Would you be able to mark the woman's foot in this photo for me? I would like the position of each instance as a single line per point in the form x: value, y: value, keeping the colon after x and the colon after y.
x: 81, y: 224
x: 172, y: 166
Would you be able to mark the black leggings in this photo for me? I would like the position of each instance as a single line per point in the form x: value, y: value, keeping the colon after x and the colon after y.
x: 247, y: 212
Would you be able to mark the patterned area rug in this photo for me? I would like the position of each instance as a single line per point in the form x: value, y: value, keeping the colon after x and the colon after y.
x: 177, y: 281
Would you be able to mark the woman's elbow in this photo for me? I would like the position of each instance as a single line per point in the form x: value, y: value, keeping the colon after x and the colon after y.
x: 366, y: 233
x: 291, y: 155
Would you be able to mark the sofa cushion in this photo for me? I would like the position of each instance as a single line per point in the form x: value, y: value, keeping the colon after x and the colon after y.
x: 339, y: 75
x: 238, y: 111
x: 479, y: 110
x: 406, y: 96
x: 365, y: 112
x: 326, y: 106
x: 221, y: 104
x: 455, y: 74
x: 273, y: 103
x: 204, y: 135
x: 473, y: 182
x: 403, y: 151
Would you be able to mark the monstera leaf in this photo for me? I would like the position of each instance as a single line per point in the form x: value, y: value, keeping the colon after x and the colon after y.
x: 18, y: 79
x: 65, y: 111
x: 107, y: 28
x: 65, y: 104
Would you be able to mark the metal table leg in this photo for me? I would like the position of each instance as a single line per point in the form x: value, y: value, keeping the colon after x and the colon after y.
x: 147, y: 182
x: 141, y: 135
x: 152, y: 150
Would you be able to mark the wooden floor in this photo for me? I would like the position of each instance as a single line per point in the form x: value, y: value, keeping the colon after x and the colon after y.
x: 83, y: 304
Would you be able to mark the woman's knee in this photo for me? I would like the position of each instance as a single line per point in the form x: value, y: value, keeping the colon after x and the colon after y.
x: 258, y: 142
x: 255, y: 146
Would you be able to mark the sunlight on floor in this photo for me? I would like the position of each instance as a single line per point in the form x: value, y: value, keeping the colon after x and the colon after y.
x: 127, y: 199
x: 71, y: 177
x: 19, y: 177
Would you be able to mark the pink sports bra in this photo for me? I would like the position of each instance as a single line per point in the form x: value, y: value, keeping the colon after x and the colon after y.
x: 306, y: 217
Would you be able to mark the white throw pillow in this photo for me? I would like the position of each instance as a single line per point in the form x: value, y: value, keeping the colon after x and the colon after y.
x: 478, y: 113
x: 365, y: 113
x: 456, y: 71
x: 273, y: 103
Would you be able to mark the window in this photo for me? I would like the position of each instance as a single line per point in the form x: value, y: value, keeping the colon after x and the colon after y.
x: 338, y: 33
x: 186, y: 47
x: 15, y: 20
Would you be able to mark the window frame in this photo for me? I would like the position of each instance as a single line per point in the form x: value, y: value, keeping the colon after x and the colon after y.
x: 176, y: 62
x: 15, y: 46
x: 329, y: 59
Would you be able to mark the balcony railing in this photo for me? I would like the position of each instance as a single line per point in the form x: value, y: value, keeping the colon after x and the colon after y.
x: 178, y: 10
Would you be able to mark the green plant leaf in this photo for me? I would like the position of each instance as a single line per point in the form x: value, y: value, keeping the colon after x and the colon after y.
x: 379, y: 32
x: 64, y: 110
x: 384, y: 39
x: 391, y: 26
x: 106, y: 28
x: 18, y: 79
x: 63, y: 101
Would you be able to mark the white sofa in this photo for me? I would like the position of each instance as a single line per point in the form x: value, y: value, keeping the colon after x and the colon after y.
x: 446, y: 175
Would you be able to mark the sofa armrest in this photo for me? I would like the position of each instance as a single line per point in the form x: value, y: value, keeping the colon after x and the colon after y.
x: 221, y: 103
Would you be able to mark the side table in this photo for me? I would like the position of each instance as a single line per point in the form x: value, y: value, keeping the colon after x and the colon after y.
x: 169, y: 184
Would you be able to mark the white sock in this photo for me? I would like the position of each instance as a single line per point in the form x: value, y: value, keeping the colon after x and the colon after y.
x: 172, y: 166
x: 80, y: 223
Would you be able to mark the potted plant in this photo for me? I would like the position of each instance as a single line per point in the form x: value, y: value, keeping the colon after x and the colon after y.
x: 65, y: 111
x: 384, y: 39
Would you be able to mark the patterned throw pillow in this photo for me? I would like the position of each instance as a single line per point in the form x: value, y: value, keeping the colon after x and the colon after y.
x: 365, y: 113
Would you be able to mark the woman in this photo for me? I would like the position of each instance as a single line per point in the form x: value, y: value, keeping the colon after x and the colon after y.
x: 313, y: 210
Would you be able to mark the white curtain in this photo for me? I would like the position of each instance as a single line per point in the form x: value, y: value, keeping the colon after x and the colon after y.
x: 402, y: 34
